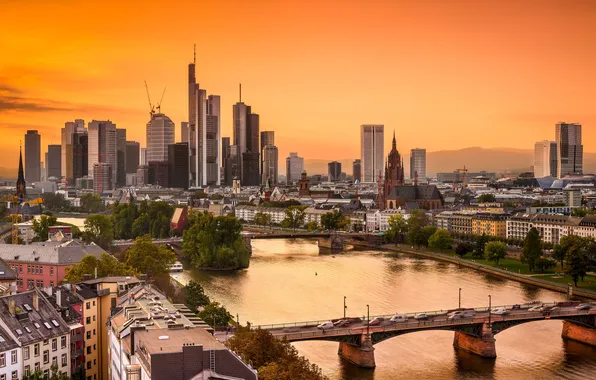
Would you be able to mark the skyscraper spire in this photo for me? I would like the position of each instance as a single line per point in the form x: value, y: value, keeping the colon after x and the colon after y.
x: 240, y: 91
x: 394, y: 144
x: 194, y: 61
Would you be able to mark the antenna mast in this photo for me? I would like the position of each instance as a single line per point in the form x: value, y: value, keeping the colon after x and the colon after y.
x: 240, y: 90
x: 194, y: 61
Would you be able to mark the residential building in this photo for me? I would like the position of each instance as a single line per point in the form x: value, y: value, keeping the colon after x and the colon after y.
x: 102, y: 177
x: 43, y: 337
x: 545, y: 159
x: 418, y: 164
x: 377, y: 220
x: 573, y: 197
x: 70, y: 127
x: 570, y: 151
x: 269, y: 165
x: 178, y: 165
x: 102, y: 148
x: 179, y: 220
x: 80, y: 155
x: 490, y: 224
x: 294, y: 168
x: 357, y: 170
x: 45, y: 264
x: 550, y: 227
x: 8, y: 279
x: 32, y: 156
x: 334, y: 171
x: 248, y: 213
x: 133, y: 153
x: 11, y: 355
x: 459, y: 222
x: 53, y: 164
x: 372, y: 151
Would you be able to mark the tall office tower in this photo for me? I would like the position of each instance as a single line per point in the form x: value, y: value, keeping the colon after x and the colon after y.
x: 334, y: 170
x: 232, y: 165
x: 570, y: 151
x: 211, y: 163
x: 143, y: 158
x: 225, y: 153
x: 102, y: 177
x: 184, y: 131
x: 102, y: 146
x: 159, y: 173
x: 160, y: 134
x: 70, y: 127
x: 32, y: 156
x: 252, y: 153
x: 143, y: 175
x: 241, y: 114
x: 294, y: 168
x: 357, y: 170
x: 194, y: 114
x: 120, y: 157
x: 133, y: 153
x: 267, y: 138
x: 250, y: 169
x: 80, y: 155
x: 269, y: 165
x: 545, y: 159
x: 372, y: 151
x: 178, y: 165
x: 418, y: 163
x: 42, y: 169
x: 53, y: 163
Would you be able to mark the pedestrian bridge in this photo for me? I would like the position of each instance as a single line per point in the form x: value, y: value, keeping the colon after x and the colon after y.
x: 474, y: 334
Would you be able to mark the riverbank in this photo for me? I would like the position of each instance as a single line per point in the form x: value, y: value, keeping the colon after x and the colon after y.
x: 530, y: 280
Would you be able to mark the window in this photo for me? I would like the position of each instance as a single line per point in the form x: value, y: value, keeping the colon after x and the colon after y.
x: 88, y: 334
x: 27, y: 370
x: 64, y: 361
x: 94, y: 318
x: 39, y: 283
x: 30, y: 284
x: 94, y: 361
x: 26, y: 353
x: 54, y: 344
x: 52, y: 284
x: 13, y: 357
x: 89, y: 365
x: 63, y: 342
x: 45, y: 342
x: 52, y: 271
x: 2, y: 360
x: 40, y: 270
x: 88, y: 320
x: 94, y: 347
x: 93, y: 303
x: 46, y: 357
x: 37, y: 366
x: 113, y: 303
x: 3, y: 377
x: 36, y: 349
x: 15, y: 374
x: 88, y: 305
x: 46, y: 373
x: 55, y: 361
x: 93, y: 331
x: 88, y: 350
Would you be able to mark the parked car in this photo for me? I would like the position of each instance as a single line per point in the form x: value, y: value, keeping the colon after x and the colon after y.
x: 460, y: 314
x: 376, y: 322
x: 548, y: 310
x: 421, y: 316
x: 535, y: 308
x: 516, y: 307
x: 584, y: 306
x: 399, y: 318
x: 342, y: 323
x: 325, y: 325
x: 499, y: 311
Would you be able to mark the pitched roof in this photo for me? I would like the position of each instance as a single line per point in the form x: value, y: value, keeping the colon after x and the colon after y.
x: 6, y: 341
x: 6, y: 273
x: 414, y: 193
x: 53, y: 252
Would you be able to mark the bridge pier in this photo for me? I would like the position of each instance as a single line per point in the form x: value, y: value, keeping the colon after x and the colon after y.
x: 483, y: 346
x: 362, y: 356
x: 579, y: 333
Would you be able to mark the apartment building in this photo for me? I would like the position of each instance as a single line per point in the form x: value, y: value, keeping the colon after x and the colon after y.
x: 550, y: 227
x: 490, y: 224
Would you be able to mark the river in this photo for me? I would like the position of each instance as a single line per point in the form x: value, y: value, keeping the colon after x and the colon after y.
x: 289, y: 281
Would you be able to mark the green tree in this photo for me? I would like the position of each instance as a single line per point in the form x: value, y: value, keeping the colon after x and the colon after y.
x: 91, y: 203
x: 42, y: 226
x: 106, y: 265
x: 333, y: 221
x: 576, y: 264
x: 56, y: 202
x: 495, y: 251
x: 441, y: 239
x: 123, y: 217
x: 416, y: 222
x: 312, y: 226
x: 479, y: 246
x: 398, y: 227
x: 262, y: 218
x: 487, y: 198
x: 462, y: 249
x: 195, y: 296
x: 532, y: 249
x: 99, y: 230
x: 425, y: 234
x: 565, y: 244
x: 215, y: 315
x: 294, y: 217
x: 54, y: 375
x: 142, y: 225
x: 273, y: 358
x: 147, y: 258
x: 543, y: 264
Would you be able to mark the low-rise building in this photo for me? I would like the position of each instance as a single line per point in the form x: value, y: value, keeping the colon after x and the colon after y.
x: 8, y: 279
x: 550, y: 227
x: 490, y: 224
x: 459, y: 222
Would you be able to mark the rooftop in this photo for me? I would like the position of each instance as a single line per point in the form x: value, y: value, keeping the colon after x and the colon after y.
x: 172, y: 340
x: 62, y: 253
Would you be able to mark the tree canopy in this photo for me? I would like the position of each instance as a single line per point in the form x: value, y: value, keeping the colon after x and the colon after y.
x: 195, y: 296
x: 441, y: 239
x: 99, y: 230
x: 398, y: 227
x: 42, y: 226
x: 147, y: 258
x: 462, y: 249
x: 131, y: 220
x: 294, y: 217
x: 334, y: 221
x: 416, y: 223
x: 91, y: 203
x: 532, y: 249
x: 495, y: 251
x: 576, y: 263
x: 487, y: 198
x: 107, y: 265
x: 215, y: 315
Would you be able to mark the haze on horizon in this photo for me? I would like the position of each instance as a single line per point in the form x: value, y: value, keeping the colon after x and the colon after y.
x: 444, y: 75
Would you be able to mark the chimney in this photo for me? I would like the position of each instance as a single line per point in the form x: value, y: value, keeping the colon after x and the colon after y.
x: 35, y: 300
x: 12, y: 305
x: 59, y: 297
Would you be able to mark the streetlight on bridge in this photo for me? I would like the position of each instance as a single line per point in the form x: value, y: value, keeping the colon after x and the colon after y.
x: 459, y: 303
x: 345, y: 307
x: 367, y: 320
x: 489, y: 309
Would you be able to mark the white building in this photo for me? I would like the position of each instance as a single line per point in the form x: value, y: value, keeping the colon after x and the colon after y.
x: 550, y: 227
x: 377, y: 220
x: 545, y: 159
x: 294, y: 168
x: 418, y: 163
x: 570, y: 151
x: 248, y: 213
x: 102, y: 146
x: 11, y: 363
x: 372, y: 151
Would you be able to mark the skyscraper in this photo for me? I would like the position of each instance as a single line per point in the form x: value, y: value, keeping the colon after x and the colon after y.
x: 120, y: 157
x: 102, y: 147
x: 53, y: 164
x: 570, y: 151
x: 133, y: 153
x: 270, y: 164
x: 143, y: 157
x: 418, y: 163
x: 267, y: 138
x: 80, y: 155
x: 225, y: 153
x: 372, y: 151
x: 160, y: 134
x: 211, y: 174
x: 545, y: 159
x: 178, y: 163
x: 32, y: 156
x: 70, y: 127
x: 102, y: 177
x: 294, y: 168
x: 357, y: 170
x: 334, y: 171
x: 184, y: 131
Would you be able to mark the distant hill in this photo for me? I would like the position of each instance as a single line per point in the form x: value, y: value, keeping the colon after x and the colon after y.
x: 8, y: 173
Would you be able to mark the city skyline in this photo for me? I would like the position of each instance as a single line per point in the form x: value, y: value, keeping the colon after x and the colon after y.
x: 483, y: 82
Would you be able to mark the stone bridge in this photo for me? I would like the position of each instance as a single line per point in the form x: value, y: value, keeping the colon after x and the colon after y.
x: 475, y: 334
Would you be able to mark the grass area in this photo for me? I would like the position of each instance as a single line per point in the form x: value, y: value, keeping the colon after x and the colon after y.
x: 589, y: 281
x: 509, y: 264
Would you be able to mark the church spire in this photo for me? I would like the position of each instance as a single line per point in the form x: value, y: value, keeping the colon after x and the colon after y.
x: 21, y: 176
x: 394, y: 144
x: 21, y: 186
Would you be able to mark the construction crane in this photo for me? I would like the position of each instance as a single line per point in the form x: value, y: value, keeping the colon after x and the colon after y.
x: 158, y: 106
x: 151, y: 108
x: 464, y: 171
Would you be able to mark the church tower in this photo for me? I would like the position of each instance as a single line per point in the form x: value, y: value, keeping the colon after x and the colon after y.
x: 394, y: 170
x: 21, y: 186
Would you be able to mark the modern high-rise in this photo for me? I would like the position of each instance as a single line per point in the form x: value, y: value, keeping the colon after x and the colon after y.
x: 231, y: 165
x: 160, y: 134
x: 143, y: 157
x: 70, y: 127
x: 102, y: 146
x: 294, y: 168
x: 133, y: 153
x: 418, y: 163
x: 80, y: 155
x: 372, y: 151
x: 102, y: 177
x: 53, y: 163
x: 120, y: 157
x: 545, y: 159
x: 250, y: 169
x: 184, y: 131
x: 334, y: 171
x: 357, y: 170
x: 32, y: 156
x: 178, y: 163
x: 269, y: 165
x: 267, y: 138
x: 211, y: 162
x: 570, y: 151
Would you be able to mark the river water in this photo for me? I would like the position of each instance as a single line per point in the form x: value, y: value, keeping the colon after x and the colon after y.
x: 289, y: 281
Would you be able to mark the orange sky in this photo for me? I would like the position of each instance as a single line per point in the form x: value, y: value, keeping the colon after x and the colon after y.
x: 443, y: 74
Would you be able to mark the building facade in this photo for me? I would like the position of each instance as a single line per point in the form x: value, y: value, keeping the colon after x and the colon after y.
x: 269, y: 166
x: 32, y: 156
x: 70, y: 127
x: 418, y: 163
x: 53, y: 165
x: 160, y: 134
x: 372, y: 151
x: 570, y: 151
x: 357, y: 170
x: 334, y: 171
x: 102, y: 147
x: 102, y: 177
x: 178, y: 162
x: 294, y: 168
x: 550, y: 227
x: 545, y: 159
x: 133, y: 153
x: 80, y: 155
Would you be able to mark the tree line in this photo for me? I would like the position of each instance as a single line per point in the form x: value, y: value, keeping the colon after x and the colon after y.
x: 294, y: 218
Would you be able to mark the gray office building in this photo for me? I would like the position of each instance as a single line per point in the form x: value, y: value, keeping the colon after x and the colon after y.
x: 570, y: 151
x: 133, y: 154
x: 32, y: 156
x: 418, y: 163
x: 334, y: 171
x: 53, y: 161
x: 357, y: 170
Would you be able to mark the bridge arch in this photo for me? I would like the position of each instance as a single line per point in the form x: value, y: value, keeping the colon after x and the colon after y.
x: 587, y: 320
